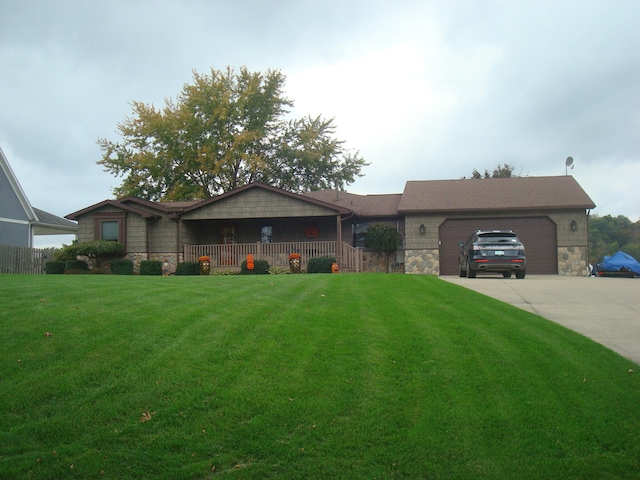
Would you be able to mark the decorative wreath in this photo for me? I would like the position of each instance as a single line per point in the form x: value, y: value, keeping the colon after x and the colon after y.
x: 311, y: 232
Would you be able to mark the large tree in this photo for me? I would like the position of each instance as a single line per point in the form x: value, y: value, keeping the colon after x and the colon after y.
x: 501, y: 171
x: 224, y: 130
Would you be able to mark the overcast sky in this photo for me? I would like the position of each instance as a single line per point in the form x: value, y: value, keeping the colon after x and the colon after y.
x: 424, y: 90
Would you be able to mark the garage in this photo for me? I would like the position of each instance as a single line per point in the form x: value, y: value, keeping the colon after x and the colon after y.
x: 538, y: 234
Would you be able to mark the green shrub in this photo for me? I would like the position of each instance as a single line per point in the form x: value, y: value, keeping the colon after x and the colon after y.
x: 76, y: 266
x: 261, y: 268
x: 98, y: 249
x: 55, y: 267
x: 383, y: 237
x: 320, y: 264
x: 188, y: 268
x: 122, y: 266
x: 150, y: 267
x: 67, y: 252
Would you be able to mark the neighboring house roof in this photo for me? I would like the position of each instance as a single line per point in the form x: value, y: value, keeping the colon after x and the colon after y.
x: 43, y: 223
x: 17, y: 189
x: 491, y: 194
x: 48, y: 224
x: 362, y: 205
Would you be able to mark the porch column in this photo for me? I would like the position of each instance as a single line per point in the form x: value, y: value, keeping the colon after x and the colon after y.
x: 339, y: 241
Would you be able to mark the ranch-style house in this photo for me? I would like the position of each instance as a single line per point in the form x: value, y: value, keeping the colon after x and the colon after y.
x: 549, y: 214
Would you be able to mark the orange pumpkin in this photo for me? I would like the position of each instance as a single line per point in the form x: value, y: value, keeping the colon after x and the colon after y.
x: 335, y: 268
x: 311, y: 232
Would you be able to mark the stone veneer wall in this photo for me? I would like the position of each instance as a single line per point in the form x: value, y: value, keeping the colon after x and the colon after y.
x: 136, y: 258
x: 377, y: 262
x: 572, y: 261
x: 425, y: 261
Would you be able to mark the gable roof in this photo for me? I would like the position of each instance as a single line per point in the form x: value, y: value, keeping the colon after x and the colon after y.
x: 271, y: 188
x: 518, y: 193
x: 44, y: 223
x: 166, y: 207
x: 384, y: 205
x: 113, y: 203
x: 17, y: 189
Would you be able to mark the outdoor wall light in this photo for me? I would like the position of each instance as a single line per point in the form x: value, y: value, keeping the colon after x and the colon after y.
x: 421, y: 229
x: 574, y: 226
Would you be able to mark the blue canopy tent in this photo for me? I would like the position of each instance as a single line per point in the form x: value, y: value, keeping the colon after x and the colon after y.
x: 619, y: 263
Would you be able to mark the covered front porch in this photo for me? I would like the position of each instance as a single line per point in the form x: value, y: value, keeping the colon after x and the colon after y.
x: 230, y: 256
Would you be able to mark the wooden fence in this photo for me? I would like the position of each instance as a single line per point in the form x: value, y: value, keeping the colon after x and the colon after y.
x: 277, y: 254
x: 24, y: 259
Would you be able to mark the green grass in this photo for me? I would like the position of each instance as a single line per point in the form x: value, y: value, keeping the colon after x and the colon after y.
x: 302, y: 376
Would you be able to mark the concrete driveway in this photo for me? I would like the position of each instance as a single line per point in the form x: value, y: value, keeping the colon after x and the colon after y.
x: 606, y: 310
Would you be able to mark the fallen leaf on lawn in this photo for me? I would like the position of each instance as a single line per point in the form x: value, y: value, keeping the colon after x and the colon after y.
x: 146, y: 416
x: 42, y: 300
x: 47, y: 334
x: 630, y: 370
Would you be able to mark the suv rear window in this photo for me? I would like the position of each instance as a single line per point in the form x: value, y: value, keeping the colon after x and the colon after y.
x: 498, y: 238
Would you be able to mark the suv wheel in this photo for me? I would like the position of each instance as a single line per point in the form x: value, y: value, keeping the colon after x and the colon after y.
x: 521, y: 273
x: 506, y: 274
x: 463, y: 272
x: 471, y: 273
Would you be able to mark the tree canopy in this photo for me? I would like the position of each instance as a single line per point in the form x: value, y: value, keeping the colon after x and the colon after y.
x: 501, y: 171
x: 608, y: 235
x: 225, y: 130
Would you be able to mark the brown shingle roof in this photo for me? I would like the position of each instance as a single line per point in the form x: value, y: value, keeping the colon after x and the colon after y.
x: 362, y: 205
x: 520, y: 193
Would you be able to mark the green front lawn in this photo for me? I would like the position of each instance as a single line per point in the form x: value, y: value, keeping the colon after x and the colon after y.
x: 301, y: 376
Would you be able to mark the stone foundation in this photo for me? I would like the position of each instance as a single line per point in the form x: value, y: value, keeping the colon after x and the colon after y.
x: 572, y: 261
x: 422, y: 261
x: 377, y: 262
x: 170, y: 258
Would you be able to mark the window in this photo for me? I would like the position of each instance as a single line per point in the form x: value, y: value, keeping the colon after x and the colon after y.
x: 109, y: 230
x: 266, y: 234
x: 110, y: 226
x: 360, y: 234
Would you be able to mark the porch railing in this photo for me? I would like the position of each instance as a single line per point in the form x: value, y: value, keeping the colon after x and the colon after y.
x: 277, y: 254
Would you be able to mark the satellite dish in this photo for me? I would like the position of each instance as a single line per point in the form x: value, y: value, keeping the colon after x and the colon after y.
x: 568, y: 165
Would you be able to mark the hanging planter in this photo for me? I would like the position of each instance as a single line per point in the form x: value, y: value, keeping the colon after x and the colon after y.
x: 294, y: 262
x: 205, y: 265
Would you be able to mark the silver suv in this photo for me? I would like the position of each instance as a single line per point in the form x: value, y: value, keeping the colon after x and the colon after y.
x: 497, y: 251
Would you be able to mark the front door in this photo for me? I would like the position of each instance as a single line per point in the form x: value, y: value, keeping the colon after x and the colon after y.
x: 227, y: 239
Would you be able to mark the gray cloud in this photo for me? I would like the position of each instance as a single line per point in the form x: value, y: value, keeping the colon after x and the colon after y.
x: 423, y: 89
